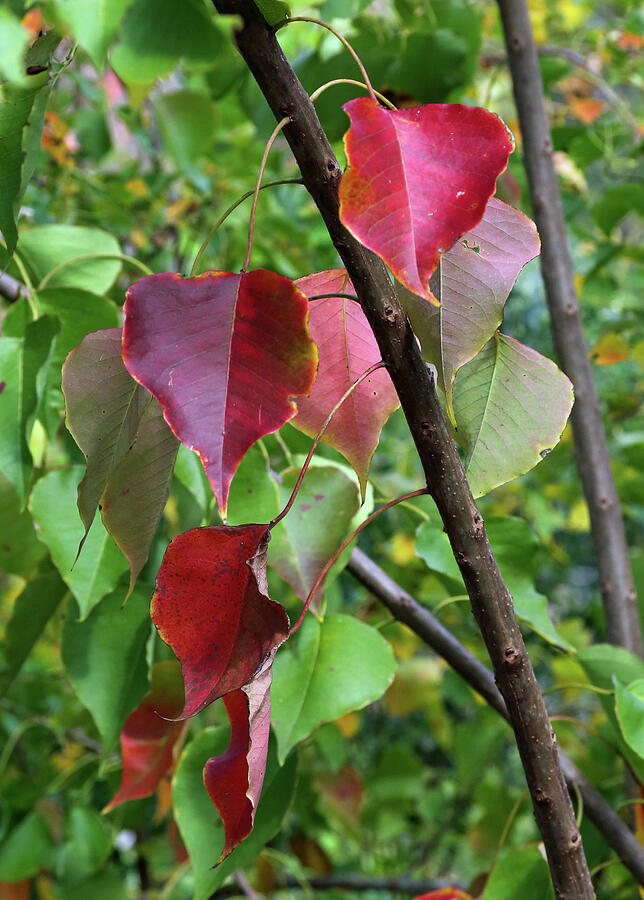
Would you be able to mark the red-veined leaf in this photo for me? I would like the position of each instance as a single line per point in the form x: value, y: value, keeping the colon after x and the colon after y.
x: 234, y: 780
x: 417, y: 179
x: 476, y: 276
x: 211, y: 606
x: 346, y: 348
x: 224, y: 354
x: 129, y: 449
x: 148, y: 738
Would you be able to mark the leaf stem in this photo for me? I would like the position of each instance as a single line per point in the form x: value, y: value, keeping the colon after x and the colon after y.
x: 220, y: 221
x: 339, y: 36
x: 260, y: 175
x: 316, y: 93
x: 321, y: 577
x: 318, y: 438
x: 68, y: 262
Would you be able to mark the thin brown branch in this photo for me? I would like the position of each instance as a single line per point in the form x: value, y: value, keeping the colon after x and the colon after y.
x: 593, y: 462
x: 351, y: 883
x: 490, y: 599
x: 405, y: 609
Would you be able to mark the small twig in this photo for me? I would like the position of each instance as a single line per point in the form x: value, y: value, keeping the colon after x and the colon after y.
x: 340, y: 296
x: 406, y: 610
x: 593, y: 460
x: 260, y: 175
x: 246, y: 887
x: 10, y: 288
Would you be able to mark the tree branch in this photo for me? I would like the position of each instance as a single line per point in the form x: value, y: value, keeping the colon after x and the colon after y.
x: 352, y: 883
x: 593, y: 462
x: 490, y: 599
x: 405, y: 609
x: 10, y: 289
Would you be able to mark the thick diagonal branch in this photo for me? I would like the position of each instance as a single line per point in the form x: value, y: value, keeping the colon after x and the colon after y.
x: 593, y: 462
x: 423, y: 623
x: 446, y: 481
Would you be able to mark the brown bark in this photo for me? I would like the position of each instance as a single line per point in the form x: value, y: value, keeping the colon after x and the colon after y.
x: 446, y: 481
x: 593, y: 462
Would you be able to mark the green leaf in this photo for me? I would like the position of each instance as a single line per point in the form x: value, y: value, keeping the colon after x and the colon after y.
x: 93, y: 23
x: 20, y: 361
x: 106, y: 885
x: 44, y: 247
x: 128, y: 446
x: 21, y: 117
x: 327, y: 670
x: 87, y: 845
x: 105, y: 659
x: 26, y: 849
x: 511, y: 405
x: 616, y: 202
x: 20, y: 549
x: 13, y: 45
x: 516, y: 549
x: 186, y: 121
x: 629, y: 707
x: 273, y: 10
x: 33, y: 608
x: 100, y: 565
x: 253, y: 491
x: 522, y: 873
x: 201, y: 828
x: 322, y: 516
x: 181, y: 31
x: 189, y: 471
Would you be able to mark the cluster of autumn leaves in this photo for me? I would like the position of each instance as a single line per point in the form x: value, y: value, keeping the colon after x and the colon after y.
x: 229, y: 358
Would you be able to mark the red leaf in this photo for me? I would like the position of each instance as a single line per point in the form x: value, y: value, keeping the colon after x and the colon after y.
x: 445, y: 894
x: 234, y: 780
x: 418, y: 179
x: 148, y: 738
x: 211, y: 606
x: 224, y: 354
x: 346, y: 348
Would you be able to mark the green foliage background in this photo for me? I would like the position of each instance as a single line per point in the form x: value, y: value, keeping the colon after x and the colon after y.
x: 424, y: 782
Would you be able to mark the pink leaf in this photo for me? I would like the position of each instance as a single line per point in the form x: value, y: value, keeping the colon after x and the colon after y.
x: 476, y: 275
x: 148, y: 738
x: 234, y: 780
x: 211, y: 606
x: 224, y: 354
x: 346, y: 348
x: 418, y: 179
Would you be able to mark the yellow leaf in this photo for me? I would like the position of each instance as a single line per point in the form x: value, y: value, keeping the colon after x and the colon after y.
x: 401, y: 549
x: 609, y: 350
x: 579, y: 518
x: 348, y: 724
x: 638, y: 353
x: 138, y: 187
x: 586, y: 109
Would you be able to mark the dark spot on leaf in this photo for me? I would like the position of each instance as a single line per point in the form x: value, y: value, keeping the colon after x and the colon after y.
x: 319, y: 496
x: 544, y: 453
x: 305, y: 506
x: 3, y: 385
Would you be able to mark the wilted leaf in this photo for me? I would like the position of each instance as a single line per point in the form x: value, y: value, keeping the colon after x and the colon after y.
x: 328, y: 669
x: 147, y: 737
x: 128, y: 447
x: 203, y: 832
x: 224, y: 354
x: 511, y: 405
x: 476, y: 275
x: 211, y: 606
x: 418, y: 179
x: 346, y: 349
x: 99, y: 567
x: 611, y: 348
x: 234, y: 780
x: 104, y: 657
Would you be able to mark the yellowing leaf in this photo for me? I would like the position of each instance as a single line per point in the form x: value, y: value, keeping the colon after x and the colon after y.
x: 610, y: 349
x: 586, y: 109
